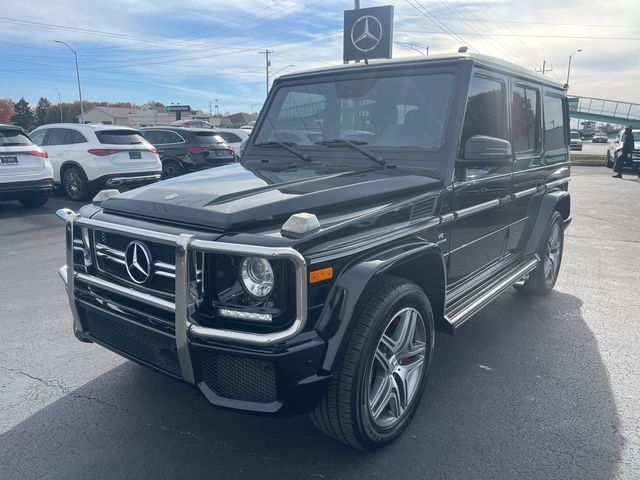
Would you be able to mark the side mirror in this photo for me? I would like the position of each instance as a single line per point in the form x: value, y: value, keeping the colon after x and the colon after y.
x: 483, y: 151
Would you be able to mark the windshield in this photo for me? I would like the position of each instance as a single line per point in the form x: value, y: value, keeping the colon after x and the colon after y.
x: 407, y: 112
x: 575, y: 135
x: 12, y: 137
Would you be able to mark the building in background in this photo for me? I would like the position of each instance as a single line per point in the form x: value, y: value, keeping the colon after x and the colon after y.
x: 108, y: 115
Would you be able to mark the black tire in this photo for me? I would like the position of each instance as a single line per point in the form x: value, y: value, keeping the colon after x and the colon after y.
x: 171, y: 169
x: 540, y: 282
x: 34, y: 200
x: 75, y: 184
x: 344, y: 412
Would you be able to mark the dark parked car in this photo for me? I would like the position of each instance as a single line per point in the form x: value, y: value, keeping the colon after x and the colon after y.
x: 184, y: 150
x: 312, y: 277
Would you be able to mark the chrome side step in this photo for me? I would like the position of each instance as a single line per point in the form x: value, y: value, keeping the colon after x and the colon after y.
x: 463, y: 311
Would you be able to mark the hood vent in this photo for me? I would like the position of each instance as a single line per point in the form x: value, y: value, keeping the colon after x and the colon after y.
x: 423, y: 208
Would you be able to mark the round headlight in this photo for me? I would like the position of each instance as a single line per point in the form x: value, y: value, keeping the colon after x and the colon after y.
x: 257, y: 277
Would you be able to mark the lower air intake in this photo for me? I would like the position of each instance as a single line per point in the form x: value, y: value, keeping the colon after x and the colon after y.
x: 239, y: 378
x: 138, y: 342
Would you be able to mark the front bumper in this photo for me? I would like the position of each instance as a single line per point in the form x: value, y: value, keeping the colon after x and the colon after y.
x: 15, y: 190
x: 271, y: 373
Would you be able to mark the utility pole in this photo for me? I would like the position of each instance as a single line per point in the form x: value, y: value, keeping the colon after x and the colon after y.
x: 544, y: 68
x: 217, y: 111
x: 210, y: 114
x: 356, y: 4
x: 267, y: 63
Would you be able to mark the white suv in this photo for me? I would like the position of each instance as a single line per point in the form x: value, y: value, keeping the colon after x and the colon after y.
x: 86, y: 158
x: 25, y: 172
x: 236, y: 137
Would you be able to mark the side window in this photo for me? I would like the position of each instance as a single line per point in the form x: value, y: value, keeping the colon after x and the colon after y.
x: 151, y: 136
x: 38, y: 137
x: 171, y: 137
x: 75, y: 136
x: 57, y: 136
x: 486, y: 112
x: 554, y: 130
x: 525, y: 111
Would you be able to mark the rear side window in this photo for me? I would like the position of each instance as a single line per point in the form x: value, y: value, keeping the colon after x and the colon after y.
x: 486, y: 112
x: 207, y: 138
x: 120, y: 137
x: 526, y: 120
x: 554, y: 129
x: 11, y: 137
x: 152, y: 136
x: 38, y: 137
x: 57, y: 136
x: 75, y: 136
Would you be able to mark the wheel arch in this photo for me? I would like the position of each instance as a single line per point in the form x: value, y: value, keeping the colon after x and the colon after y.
x: 408, y: 262
x: 556, y: 200
x: 67, y: 165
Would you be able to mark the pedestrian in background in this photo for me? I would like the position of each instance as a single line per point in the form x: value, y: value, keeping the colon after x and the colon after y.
x: 626, y: 153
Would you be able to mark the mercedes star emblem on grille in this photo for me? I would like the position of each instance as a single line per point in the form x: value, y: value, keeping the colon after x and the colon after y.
x: 366, y: 33
x: 138, y: 262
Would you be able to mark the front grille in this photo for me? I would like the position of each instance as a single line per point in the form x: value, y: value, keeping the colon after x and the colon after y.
x: 141, y: 343
x: 239, y: 378
x: 110, y: 255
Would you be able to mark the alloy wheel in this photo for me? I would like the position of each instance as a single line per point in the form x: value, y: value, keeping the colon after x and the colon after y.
x: 397, y: 367
x: 73, y: 184
x: 552, y: 257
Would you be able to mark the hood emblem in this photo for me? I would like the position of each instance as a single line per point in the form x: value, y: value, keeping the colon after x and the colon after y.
x: 138, y: 262
x: 171, y: 196
x: 366, y: 33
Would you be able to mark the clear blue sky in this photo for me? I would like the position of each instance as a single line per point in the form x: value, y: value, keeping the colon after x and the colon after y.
x: 195, y: 51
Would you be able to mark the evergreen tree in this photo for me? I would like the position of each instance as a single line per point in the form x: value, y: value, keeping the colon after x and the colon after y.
x: 24, y: 115
x: 41, y: 110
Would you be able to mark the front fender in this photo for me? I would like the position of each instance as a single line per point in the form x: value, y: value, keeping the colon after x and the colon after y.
x: 336, y: 321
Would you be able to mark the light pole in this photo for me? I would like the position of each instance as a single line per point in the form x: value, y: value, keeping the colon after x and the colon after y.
x: 59, y: 104
x: 569, y: 68
x: 78, y: 76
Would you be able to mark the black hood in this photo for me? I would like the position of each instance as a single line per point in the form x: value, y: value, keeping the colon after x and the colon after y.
x: 236, y: 197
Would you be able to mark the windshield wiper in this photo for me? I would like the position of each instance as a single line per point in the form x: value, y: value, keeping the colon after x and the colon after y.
x: 287, y: 146
x: 355, y: 144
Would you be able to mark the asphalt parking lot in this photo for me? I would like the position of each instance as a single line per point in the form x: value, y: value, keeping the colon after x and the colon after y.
x: 530, y: 388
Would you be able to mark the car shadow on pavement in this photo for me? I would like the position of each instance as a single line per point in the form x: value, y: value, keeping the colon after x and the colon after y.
x: 519, y: 392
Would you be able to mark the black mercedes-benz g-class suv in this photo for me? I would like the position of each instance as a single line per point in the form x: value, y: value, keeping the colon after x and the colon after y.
x: 374, y: 205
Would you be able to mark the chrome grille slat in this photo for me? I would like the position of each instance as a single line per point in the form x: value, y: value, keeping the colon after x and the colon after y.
x: 115, y: 252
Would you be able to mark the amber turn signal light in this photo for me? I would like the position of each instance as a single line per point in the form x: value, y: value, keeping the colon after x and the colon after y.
x: 321, y: 275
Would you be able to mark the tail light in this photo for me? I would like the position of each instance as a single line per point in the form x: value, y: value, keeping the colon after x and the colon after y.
x: 196, y: 150
x: 153, y: 149
x: 103, y: 152
x: 38, y: 153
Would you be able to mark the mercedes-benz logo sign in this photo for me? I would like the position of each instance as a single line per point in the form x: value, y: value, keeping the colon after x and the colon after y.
x: 366, y: 33
x: 138, y: 262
